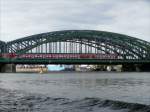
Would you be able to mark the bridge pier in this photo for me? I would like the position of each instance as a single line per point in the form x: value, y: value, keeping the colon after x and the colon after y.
x: 145, y: 67
x: 128, y: 68
x: 7, y: 68
x: 136, y: 67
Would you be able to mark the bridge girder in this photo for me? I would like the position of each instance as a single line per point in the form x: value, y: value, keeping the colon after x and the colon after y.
x: 125, y: 46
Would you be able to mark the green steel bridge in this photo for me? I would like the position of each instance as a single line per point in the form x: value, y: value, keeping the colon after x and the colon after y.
x: 76, y: 47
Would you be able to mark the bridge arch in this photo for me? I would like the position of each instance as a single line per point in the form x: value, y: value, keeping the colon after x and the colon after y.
x: 2, y: 46
x: 82, y: 41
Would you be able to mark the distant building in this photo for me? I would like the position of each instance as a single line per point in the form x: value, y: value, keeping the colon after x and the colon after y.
x: 55, y: 67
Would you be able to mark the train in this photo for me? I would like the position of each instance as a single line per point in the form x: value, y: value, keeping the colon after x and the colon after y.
x: 59, y: 56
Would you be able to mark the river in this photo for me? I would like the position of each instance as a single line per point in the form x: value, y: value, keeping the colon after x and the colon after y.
x: 75, y: 92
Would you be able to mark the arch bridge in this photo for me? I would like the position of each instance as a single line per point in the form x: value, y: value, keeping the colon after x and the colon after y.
x: 77, y: 47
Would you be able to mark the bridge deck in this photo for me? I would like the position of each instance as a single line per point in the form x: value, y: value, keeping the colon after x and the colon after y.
x: 73, y: 61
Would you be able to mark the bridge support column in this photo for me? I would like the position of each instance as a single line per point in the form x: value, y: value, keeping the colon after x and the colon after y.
x: 131, y: 68
x: 145, y: 67
x: 7, y: 68
x: 128, y: 68
x: 136, y: 67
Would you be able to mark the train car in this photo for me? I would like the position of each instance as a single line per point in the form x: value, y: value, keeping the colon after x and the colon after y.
x: 65, y: 56
x: 8, y: 55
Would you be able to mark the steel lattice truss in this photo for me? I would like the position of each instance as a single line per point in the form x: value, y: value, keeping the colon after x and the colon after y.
x: 82, y: 41
x: 2, y: 45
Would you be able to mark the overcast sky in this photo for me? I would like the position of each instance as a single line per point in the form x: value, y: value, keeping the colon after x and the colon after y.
x: 20, y: 18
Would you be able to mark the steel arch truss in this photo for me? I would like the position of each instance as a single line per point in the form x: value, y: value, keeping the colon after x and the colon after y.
x: 2, y: 46
x: 82, y: 41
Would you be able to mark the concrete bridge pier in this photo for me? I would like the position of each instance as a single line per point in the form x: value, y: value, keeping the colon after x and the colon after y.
x: 128, y: 68
x: 145, y: 67
x: 131, y: 68
x: 136, y: 67
x: 7, y: 68
x: 142, y: 67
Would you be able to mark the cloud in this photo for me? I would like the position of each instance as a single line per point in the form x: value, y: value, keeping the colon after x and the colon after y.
x: 20, y: 18
x: 130, y: 19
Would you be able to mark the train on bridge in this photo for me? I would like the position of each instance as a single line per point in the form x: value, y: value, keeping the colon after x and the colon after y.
x: 77, y: 47
x: 59, y: 56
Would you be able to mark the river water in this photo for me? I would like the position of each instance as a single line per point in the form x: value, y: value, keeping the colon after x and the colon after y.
x: 75, y: 92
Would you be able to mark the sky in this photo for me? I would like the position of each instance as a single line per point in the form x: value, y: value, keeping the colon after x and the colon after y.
x: 21, y: 18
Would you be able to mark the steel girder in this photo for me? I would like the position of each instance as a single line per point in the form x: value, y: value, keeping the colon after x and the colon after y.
x: 123, y: 45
